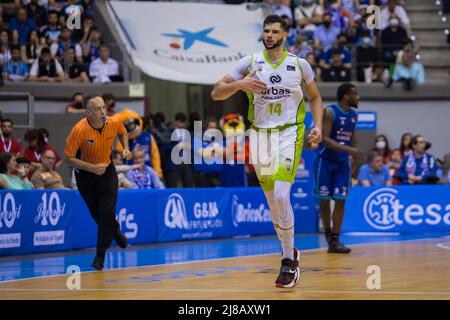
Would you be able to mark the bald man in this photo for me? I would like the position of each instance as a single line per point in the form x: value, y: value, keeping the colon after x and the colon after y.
x: 46, y: 177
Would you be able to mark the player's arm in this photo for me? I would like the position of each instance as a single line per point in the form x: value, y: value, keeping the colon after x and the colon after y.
x: 227, y: 86
x: 316, y: 107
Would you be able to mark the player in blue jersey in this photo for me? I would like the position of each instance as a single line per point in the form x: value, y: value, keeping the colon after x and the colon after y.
x: 332, y: 166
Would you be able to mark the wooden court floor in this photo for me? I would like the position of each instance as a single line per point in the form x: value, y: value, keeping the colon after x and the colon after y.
x: 418, y: 269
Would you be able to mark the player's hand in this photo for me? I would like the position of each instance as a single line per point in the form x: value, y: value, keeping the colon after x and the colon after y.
x: 250, y: 84
x: 315, y: 135
x: 126, y: 154
x: 99, y: 168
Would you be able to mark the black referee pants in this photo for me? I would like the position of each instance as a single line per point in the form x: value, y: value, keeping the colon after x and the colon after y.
x: 100, y: 195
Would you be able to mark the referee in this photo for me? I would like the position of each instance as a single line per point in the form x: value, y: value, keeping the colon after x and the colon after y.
x: 88, y: 149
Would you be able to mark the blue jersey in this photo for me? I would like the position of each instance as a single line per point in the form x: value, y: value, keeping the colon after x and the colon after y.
x: 145, y: 141
x: 341, y: 131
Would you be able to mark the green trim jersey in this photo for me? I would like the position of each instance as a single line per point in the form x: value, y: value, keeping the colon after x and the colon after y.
x: 282, y: 104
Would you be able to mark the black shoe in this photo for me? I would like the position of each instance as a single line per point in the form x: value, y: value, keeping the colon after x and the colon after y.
x: 336, y: 246
x: 289, y: 272
x: 121, y: 240
x: 98, y: 262
x: 328, y: 236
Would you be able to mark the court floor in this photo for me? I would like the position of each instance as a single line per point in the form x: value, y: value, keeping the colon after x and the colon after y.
x: 408, y: 267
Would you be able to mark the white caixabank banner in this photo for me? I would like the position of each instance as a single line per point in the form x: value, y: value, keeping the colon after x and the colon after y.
x: 187, y: 42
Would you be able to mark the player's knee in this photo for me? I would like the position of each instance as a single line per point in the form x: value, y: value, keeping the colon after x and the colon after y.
x: 281, y: 198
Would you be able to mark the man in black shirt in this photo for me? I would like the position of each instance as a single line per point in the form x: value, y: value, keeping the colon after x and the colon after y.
x: 75, y: 71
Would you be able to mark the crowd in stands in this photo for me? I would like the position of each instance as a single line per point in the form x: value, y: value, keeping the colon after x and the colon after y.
x: 409, y: 164
x: 153, y: 166
x: 335, y: 38
x: 37, y: 44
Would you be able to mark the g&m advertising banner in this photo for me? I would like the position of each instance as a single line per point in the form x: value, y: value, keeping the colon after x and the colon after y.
x: 187, y: 42
x: 407, y: 209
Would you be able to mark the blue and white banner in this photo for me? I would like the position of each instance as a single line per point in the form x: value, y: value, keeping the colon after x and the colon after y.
x: 406, y: 209
x: 43, y: 221
x: 35, y: 221
x: 187, y: 42
x: 187, y: 214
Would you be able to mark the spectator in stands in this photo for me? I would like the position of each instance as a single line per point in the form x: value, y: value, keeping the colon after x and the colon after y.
x: 56, y: 5
x: 408, y: 70
x: 7, y: 142
x: 46, y: 177
x: 367, y: 60
x: 301, y: 47
x: 325, y: 35
x: 104, y: 69
x: 8, y: 180
x: 75, y: 71
x: 36, y: 147
x: 5, y: 53
x: 121, y: 169
x: 374, y: 172
x: 15, y: 69
x: 46, y: 68
x: 64, y: 43
x: 445, y: 178
x: 69, y: 9
x: 179, y: 147
x: 279, y: 8
x: 81, y: 35
x: 50, y: 32
x: 405, y: 143
x: 144, y: 177
x: 340, y: 18
x: 146, y: 142
x: 311, y: 58
x: 337, y: 72
x: 418, y: 167
x: 382, y: 147
x: 359, y: 28
x: 110, y: 102
x: 208, y: 159
x: 394, y: 163
x: 76, y: 105
x: 36, y: 12
x: 307, y: 16
x: 23, y: 169
x: 32, y: 49
x: 325, y: 57
x: 91, y: 46
x: 20, y: 26
x: 8, y: 9
x: 391, y: 11
x: 392, y: 40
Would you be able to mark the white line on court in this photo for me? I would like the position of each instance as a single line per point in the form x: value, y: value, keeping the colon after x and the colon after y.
x: 226, y: 291
x: 216, y: 259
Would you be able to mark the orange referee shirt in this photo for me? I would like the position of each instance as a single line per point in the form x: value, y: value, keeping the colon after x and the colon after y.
x: 95, y: 146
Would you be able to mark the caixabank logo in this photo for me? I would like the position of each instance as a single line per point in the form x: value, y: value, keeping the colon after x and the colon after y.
x: 205, y: 215
x: 10, y: 213
x: 50, y: 213
x: 385, y: 209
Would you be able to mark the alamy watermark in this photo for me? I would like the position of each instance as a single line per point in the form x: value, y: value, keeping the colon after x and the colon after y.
x: 262, y: 148
x: 73, y: 282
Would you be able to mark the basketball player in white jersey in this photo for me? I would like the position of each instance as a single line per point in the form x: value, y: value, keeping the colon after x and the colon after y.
x: 274, y: 81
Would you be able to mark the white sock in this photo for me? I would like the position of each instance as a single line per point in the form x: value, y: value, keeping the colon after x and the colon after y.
x: 282, y: 192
